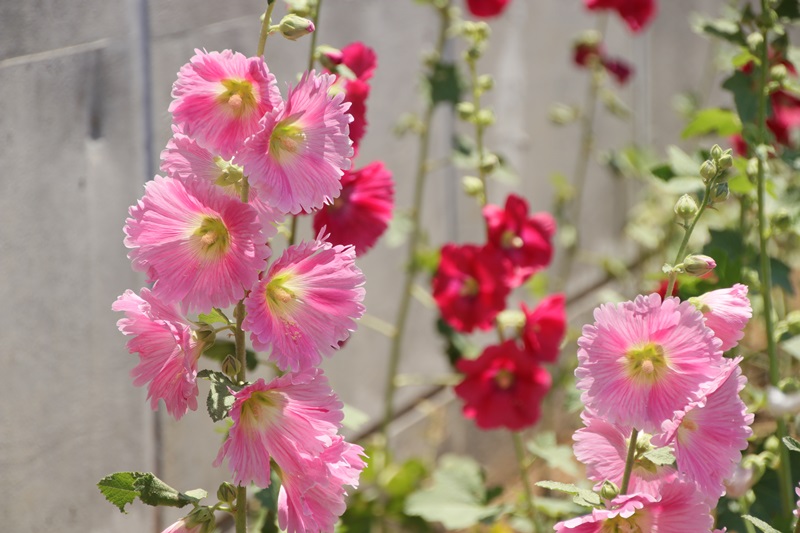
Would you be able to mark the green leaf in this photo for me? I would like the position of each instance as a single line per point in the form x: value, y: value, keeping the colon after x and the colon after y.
x: 221, y: 348
x: 781, y: 275
x: 721, y: 122
x: 457, y: 497
x: 407, y: 478
x: 741, y: 184
x: 741, y: 85
x: 660, y: 456
x: 445, y: 84
x: 119, y: 488
x: 760, y: 524
x: 792, y: 444
x: 789, y: 9
x: 194, y: 496
x: 212, y: 318
x: 220, y: 398
x: 583, y: 497
x: 153, y: 491
x: 556, y: 456
x: 724, y: 29
x: 663, y: 172
x: 557, y: 507
x: 682, y: 163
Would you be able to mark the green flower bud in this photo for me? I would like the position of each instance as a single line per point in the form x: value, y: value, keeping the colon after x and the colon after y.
x: 465, y: 110
x: 793, y: 322
x: 609, y: 490
x: 485, y: 82
x: 686, y: 208
x: 720, y: 193
x: 489, y: 163
x: 226, y: 492
x: 725, y: 161
x: 698, y: 265
x: 778, y: 72
x: 752, y: 167
x: 754, y: 41
x: 708, y: 170
x: 231, y: 366
x: 772, y: 444
x: 716, y: 152
x: 293, y: 27
x: 472, y: 185
x: 484, y: 117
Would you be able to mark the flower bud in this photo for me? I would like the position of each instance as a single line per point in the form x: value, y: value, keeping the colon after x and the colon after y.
x: 485, y: 82
x: 778, y: 72
x: 473, y: 186
x: 200, y: 516
x: 293, y: 27
x: 330, y: 57
x: 708, y: 170
x: 511, y: 318
x: 226, y: 492
x: 725, y: 161
x: 698, y: 265
x: 754, y: 41
x: 609, y: 490
x: 484, y: 117
x: 301, y: 8
x: 793, y: 322
x: 716, y: 152
x: 720, y: 193
x: 231, y: 366
x: 686, y: 207
x: 465, y: 110
x: 489, y: 163
x: 752, y: 167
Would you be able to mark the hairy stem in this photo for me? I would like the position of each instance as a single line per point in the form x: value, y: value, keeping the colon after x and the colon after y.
x: 626, y: 477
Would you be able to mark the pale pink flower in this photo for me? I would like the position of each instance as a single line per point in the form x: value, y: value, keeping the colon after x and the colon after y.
x: 603, y: 448
x: 168, y: 350
x: 187, y: 161
x: 726, y: 312
x: 312, y: 499
x: 679, y: 508
x: 181, y: 526
x: 293, y: 420
x: 219, y: 98
x: 296, y: 158
x: 200, y: 246
x: 643, y: 360
x: 709, y: 434
x: 306, y: 305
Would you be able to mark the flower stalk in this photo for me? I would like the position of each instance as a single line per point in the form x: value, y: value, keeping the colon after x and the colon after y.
x: 629, y: 460
x: 519, y: 449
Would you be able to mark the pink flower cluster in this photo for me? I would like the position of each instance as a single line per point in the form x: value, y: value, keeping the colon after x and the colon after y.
x: 656, y: 366
x: 241, y: 158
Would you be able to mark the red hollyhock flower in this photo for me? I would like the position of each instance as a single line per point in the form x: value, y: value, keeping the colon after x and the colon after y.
x: 525, y: 240
x: 469, y: 286
x: 362, y: 61
x: 585, y: 54
x: 487, y: 8
x: 362, y: 212
x: 545, y: 326
x: 503, y: 388
x: 785, y: 116
x: 636, y: 13
x: 619, y: 69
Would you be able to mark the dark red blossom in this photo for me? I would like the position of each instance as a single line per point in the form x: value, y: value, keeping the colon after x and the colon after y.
x: 525, y: 240
x: 362, y: 61
x: 587, y: 53
x: 503, y: 388
x: 544, y: 329
x: 636, y: 13
x: 487, y: 8
x: 469, y: 286
x: 362, y: 212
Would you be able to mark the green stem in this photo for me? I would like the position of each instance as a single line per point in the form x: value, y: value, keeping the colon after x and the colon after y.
x: 414, y: 240
x: 626, y: 477
x: 293, y: 230
x: 745, y: 509
x: 784, y: 471
x: 479, y: 129
x: 239, y: 337
x: 262, y: 38
x: 519, y: 448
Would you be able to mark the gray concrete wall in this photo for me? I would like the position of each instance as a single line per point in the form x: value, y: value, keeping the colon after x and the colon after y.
x: 84, y: 90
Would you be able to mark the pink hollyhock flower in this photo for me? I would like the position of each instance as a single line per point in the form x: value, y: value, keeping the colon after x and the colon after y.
x: 709, y: 434
x: 726, y: 312
x: 636, y: 13
x: 643, y: 360
x: 182, y: 526
x: 185, y: 160
x: 295, y: 160
x: 487, y: 8
x: 200, y: 246
x: 293, y: 419
x: 545, y: 327
x: 503, y: 387
x: 306, y: 305
x: 219, y: 98
x: 470, y: 286
x: 313, y: 499
x: 525, y: 240
x: 363, y: 210
x: 679, y: 508
x: 603, y: 448
x: 168, y: 350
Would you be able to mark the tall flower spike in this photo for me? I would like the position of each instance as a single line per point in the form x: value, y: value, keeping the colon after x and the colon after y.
x: 296, y: 159
x: 168, y: 350
x: 306, y: 305
x: 643, y: 360
x: 219, y: 97
x: 200, y: 246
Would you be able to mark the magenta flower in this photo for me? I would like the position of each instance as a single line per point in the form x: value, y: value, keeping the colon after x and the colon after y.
x: 545, y: 327
x: 679, y: 508
x: 603, y: 448
x: 708, y: 435
x: 200, y: 246
x: 296, y: 158
x: 219, y: 98
x: 168, y: 350
x: 306, y: 305
x: 362, y: 212
x: 312, y: 499
x: 637, y: 14
x: 726, y: 312
x: 362, y: 61
x: 643, y: 360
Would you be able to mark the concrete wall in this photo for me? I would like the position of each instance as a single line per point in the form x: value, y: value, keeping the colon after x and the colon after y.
x: 84, y: 90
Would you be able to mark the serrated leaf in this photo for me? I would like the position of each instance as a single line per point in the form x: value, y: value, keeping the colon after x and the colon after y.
x: 119, y: 488
x: 457, y: 497
x: 153, y: 491
x: 792, y: 444
x: 445, y: 84
x: 557, y: 456
x: 213, y: 317
x: 220, y: 398
x: 741, y: 86
x: 760, y: 524
x: 660, y: 456
x: 583, y: 497
x: 714, y: 120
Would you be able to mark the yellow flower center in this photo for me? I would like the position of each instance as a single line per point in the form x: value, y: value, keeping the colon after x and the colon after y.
x: 211, y: 237
x: 646, y: 364
x: 511, y: 240
x: 238, y: 96
x: 278, y: 293
x: 504, y: 378
x: 287, y: 139
x: 470, y: 287
x: 621, y: 525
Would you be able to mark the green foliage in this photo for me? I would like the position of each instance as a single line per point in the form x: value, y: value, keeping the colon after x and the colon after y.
x: 557, y: 456
x: 123, y: 488
x: 742, y: 86
x: 221, y: 348
x: 760, y: 524
x: 457, y: 346
x: 220, y: 398
x: 789, y: 9
x: 444, y: 84
x: 723, y: 28
x: 582, y: 497
x: 119, y: 488
x: 792, y: 444
x: 721, y: 122
x: 781, y: 275
x: 458, y: 497
x: 660, y: 456
x: 213, y: 317
x: 268, y: 500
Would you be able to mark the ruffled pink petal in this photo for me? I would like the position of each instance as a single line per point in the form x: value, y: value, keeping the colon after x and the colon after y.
x: 726, y: 312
